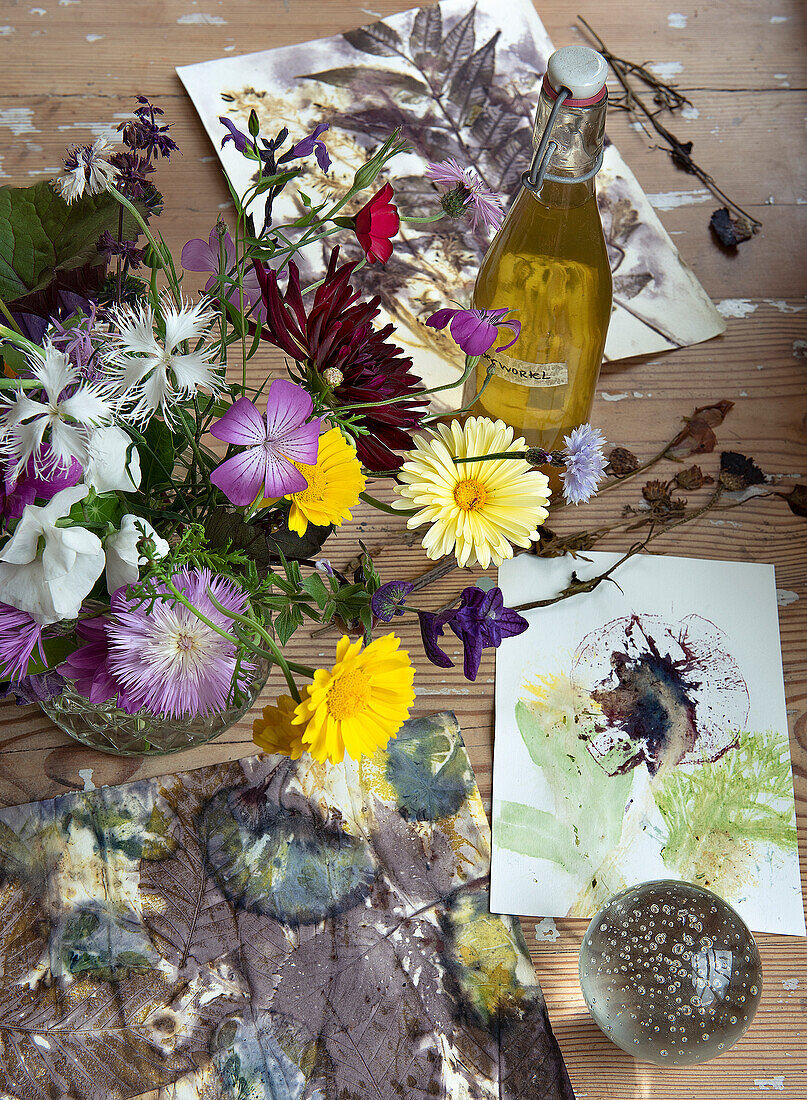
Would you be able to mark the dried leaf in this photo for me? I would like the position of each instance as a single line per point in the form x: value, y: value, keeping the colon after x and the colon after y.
x: 730, y: 229
x: 698, y: 437
x: 621, y: 462
x: 369, y: 81
x: 468, y: 87
x: 628, y: 286
x: 738, y: 472
x: 693, y: 478
x: 797, y: 500
x: 427, y: 33
x: 458, y: 44
x: 379, y: 38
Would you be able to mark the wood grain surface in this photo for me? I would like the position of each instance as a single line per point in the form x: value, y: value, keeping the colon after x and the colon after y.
x: 69, y: 69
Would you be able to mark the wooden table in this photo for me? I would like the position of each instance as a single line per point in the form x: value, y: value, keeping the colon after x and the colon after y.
x: 70, y: 70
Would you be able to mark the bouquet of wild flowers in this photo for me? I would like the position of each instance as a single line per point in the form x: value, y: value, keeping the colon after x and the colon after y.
x: 161, y: 517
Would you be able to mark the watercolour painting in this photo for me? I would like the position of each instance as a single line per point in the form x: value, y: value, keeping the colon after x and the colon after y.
x: 269, y: 929
x: 461, y: 81
x: 641, y: 734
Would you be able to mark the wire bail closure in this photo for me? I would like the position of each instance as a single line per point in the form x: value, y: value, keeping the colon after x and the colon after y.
x: 537, y: 175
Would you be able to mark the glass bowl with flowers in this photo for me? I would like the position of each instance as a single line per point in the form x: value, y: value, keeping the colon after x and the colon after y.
x: 163, y: 512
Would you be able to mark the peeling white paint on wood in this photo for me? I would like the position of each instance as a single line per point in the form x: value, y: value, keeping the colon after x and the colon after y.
x: 690, y: 113
x: 779, y: 19
x: 782, y: 305
x: 800, y: 349
x: 790, y: 984
x: 614, y: 396
x: 546, y: 930
x: 20, y: 120
x: 665, y: 70
x: 6, y: 31
x: 202, y: 18
x: 86, y: 775
x: 670, y: 200
x: 93, y: 37
x: 775, y: 1083
x: 677, y: 20
x: 736, y: 307
x: 784, y: 598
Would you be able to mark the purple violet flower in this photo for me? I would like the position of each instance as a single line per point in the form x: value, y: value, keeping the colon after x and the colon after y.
x: 166, y: 659
x: 19, y: 637
x: 480, y: 622
x: 476, y: 330
x: 199, y: 255
x: 311, y: 144
x: 242, y: 143
x: 28, y: 487
x: 144, y: 131
x: 36, y: 688
x: 388, y: 600
x: 466, y: 194
x: 75, y: 339
x: 88, y: 666
x: 272, y: 443
x: 585, y: 464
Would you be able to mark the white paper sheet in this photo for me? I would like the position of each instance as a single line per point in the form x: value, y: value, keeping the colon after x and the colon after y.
x: 671, y: 679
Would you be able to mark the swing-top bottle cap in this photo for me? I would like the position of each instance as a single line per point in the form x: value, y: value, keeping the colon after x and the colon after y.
x: 580, y: 69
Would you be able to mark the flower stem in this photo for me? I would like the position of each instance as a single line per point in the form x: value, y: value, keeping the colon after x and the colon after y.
x: 382, y: 507
x: 156, y: 248
x: 24, y: 344
x: 253, y: 624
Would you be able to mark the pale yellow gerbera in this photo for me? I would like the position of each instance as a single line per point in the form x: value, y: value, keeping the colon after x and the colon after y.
x: 334, y: 484
x: 477, y: 509
x: 361, y: 703
x: 273, y: 731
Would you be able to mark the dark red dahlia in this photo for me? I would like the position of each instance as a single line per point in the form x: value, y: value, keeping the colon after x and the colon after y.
x: 336, y: 338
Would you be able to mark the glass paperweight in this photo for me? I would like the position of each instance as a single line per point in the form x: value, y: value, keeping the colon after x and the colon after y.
x: 670, y: 973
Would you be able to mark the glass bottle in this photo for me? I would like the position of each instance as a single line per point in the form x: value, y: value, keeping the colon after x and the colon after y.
x: 549, y: 264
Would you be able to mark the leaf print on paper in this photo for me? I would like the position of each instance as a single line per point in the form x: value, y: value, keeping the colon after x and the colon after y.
x: 269, y: 931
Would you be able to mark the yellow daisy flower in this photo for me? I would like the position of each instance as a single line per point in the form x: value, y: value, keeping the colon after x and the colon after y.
x: 334, y: 484
x: 361, y: 703
x: 476, y: 509
x: 273, y: 731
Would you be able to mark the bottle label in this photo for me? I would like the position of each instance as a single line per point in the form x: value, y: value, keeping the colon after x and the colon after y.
x: 529, y: 374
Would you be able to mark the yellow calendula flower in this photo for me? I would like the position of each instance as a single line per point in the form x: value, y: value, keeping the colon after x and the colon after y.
x: 361, y: 703
x: 477, y: 509
x: 334, y: 484
x: 274, y: 732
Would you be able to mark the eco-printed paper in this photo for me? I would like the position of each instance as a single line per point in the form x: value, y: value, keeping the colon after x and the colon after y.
x: 641, y: 734
x: 461, y: 80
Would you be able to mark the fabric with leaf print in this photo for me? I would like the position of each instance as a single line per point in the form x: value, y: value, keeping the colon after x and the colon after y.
x: 461, y: 81
x: 269, y: 929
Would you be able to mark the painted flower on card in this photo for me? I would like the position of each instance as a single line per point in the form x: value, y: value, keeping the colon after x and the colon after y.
x: 667, y: 693
x: 274, y: 445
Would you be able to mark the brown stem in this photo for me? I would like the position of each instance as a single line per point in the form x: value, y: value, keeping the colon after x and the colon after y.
x: 679, y: 152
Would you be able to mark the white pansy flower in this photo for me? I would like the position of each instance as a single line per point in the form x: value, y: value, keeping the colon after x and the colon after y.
x: 123, y: 556
x: 88, y: 171
x: 150, y: 371
x: 55, y: 429
x: 114, y: 462
x: 50, y: 582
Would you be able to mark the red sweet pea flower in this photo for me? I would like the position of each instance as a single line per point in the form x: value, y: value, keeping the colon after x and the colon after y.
x: 376, y: 223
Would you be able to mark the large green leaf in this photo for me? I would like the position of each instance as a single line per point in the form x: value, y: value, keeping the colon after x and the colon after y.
x: 40, y: 235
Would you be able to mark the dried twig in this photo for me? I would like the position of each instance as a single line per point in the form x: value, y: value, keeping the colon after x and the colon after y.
x: 667, y: 98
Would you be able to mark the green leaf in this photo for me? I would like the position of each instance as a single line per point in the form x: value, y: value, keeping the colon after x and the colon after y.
x: 315, y: 587
x: 156, y: 457
x: 40, y: 235
x: 287, y: 622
